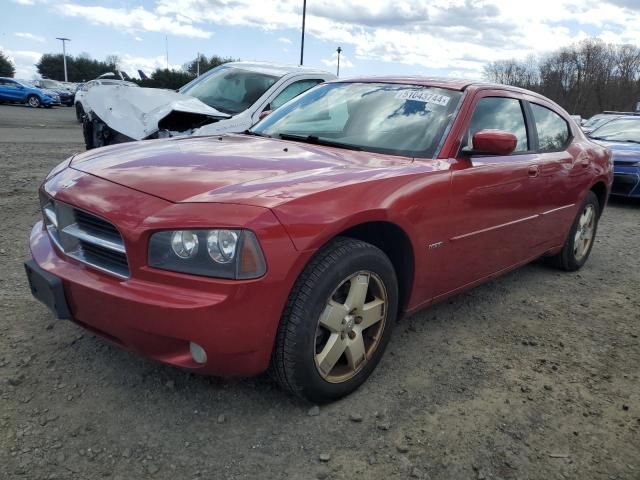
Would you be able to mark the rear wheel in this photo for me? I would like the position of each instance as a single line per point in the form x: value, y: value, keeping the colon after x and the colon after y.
x: 337, y: 322
x: 33, y: 101
x: 577, y: 247
x: 79, y: 112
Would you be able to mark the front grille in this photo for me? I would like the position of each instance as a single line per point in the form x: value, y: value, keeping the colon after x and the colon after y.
x: 624, y: 184
x: 86, y: 237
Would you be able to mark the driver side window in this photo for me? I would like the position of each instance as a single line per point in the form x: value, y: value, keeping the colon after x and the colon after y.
x: 499, y: 113
x: 291, y: 91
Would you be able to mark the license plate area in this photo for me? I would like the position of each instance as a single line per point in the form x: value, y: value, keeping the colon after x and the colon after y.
x: 48, y: 289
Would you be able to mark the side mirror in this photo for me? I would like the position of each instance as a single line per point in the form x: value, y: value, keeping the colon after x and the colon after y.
x: 264, y: 114
x: 492, y: 142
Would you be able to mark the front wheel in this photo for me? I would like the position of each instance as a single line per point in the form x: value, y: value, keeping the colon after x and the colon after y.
x: 33, y: 101
x: 577, y: 247
x: 337, y: 322
x: 79, y: 112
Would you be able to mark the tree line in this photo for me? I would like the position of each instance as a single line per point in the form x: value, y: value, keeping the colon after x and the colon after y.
x: 83, y: 68
x: 584, y: 78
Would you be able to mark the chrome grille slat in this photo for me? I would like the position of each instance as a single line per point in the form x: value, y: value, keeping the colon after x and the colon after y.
x: 80, y: 233
x: 86, y: 238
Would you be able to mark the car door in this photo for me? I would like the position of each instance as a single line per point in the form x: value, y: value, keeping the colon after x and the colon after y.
x: 4, y: 92
x: 15, y: 91
x: 561, y: 170
x: 495, y: 200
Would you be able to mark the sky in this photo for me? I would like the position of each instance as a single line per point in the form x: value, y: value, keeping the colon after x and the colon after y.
x: 453, y: 38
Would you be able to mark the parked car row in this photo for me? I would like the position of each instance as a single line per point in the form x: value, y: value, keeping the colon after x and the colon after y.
x: 621, y: 135
x: 294, y: 246
x: 65, y: 93
x: 20, y: 91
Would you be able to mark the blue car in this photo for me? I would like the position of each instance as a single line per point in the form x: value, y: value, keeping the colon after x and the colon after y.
x: 14, y: 91
x: 622, y: 137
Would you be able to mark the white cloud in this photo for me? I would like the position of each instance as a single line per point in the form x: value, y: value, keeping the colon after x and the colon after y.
x: 460, y: 35
x: 135, y: 19
x: 333, y: 61
x: 131, y: 64
x: 24, y: 62
x: 452, y: 35
x: 30, y: 36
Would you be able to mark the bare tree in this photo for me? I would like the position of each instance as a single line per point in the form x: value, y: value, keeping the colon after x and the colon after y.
x: 585, y: 78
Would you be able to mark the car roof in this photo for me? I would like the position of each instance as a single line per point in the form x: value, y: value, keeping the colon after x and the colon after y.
x: 275, y: 69
x: 459, y: 84
x: 625, y: 117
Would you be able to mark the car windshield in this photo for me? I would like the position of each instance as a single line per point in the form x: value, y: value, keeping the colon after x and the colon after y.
x: 229, y: 89
x: 620, y: 130
x: 395, y: 119
x: 50, y: 84
x: 601, y: 120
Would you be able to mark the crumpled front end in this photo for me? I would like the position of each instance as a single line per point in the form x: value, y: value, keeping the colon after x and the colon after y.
x: 118, y: 114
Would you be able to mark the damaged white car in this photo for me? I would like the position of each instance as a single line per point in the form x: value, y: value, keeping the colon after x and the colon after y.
x: 229, y: 98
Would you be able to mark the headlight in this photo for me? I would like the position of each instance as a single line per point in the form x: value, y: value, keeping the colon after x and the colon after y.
x: 220, y: 253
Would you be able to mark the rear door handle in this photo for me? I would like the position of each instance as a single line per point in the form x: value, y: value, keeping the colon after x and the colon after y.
x: 534, y: 170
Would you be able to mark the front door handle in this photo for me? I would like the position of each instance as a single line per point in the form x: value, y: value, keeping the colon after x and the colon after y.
x: 534, y: 170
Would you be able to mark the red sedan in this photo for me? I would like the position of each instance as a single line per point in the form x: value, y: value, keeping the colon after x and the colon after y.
x: 295, y: 246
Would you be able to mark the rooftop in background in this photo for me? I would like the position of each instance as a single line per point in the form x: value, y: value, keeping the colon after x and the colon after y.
x: 274, y: 69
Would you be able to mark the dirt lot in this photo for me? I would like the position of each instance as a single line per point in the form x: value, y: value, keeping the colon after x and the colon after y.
x: 533, y: 376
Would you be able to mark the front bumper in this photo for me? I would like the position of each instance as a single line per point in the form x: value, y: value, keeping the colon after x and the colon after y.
x: 50, y: 101
x: 626, y: 181
x: 158, y: 313
x: 234, y: 324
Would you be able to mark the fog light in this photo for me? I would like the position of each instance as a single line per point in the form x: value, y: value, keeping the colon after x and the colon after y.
x: 198, y: 353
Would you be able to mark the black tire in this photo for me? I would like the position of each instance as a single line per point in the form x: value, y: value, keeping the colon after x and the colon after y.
x: 567, y: 259
x: 79, y: 112
x: 88, y: 133
x: 33, y: 101
x: 293, y: 362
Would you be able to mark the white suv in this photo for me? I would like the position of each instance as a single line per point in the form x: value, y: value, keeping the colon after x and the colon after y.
x: 229, y: 98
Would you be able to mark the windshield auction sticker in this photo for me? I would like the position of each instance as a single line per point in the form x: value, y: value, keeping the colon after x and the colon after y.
x: 423, y: 96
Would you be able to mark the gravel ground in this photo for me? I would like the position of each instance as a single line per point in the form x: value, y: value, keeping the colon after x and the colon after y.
x: 532, y: 376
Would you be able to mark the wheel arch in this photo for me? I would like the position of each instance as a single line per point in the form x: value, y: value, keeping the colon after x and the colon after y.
x: 396, y: 244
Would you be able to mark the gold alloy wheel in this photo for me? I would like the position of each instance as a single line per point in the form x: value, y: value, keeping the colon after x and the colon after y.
x: 351, y: 326
x: 584, y: 233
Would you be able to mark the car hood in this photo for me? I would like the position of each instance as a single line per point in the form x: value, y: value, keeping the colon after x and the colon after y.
x: 233, y: 168
x: 622, y: 152
x: 138, y: 112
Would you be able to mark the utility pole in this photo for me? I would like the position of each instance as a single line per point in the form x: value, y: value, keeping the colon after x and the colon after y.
x: 166, y: 49
x: 198, y: 65
x: 64, y: 55
x: 339, y: 50
x: 304, y: 17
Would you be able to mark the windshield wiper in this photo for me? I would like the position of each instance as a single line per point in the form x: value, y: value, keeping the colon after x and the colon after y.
x: 256, y: 134
x: 318, y: 141
x: 631, y: 141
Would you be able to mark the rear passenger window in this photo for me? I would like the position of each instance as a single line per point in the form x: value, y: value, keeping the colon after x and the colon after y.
x: 499, y: 113
x: 553, y: 131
